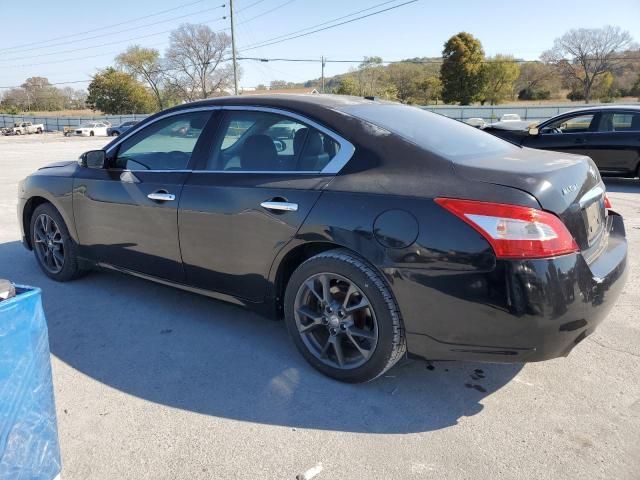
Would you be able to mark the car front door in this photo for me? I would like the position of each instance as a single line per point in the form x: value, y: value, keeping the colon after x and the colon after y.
x: 265, y: 172
x: 568, y: 134
x: 126, y: 214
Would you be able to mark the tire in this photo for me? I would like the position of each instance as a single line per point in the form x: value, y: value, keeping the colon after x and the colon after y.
x: 114, y: 134
x: 91, y: 134
x: 70, y: 268
x: 18, y: 132
x: 380, y: 318
x: 39, y: 130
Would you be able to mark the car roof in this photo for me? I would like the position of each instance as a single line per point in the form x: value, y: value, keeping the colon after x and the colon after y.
x: 603, y: 108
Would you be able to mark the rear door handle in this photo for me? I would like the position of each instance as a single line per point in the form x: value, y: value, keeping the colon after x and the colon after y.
x: 279, y: 205
x: 162, y: 196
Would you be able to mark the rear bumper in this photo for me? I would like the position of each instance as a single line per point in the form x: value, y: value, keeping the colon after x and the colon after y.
x: 521, y: 311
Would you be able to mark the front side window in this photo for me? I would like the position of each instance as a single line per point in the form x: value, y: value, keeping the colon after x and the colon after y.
x: 164, y: 145
x: 255, y: 141
x: 577, y: 124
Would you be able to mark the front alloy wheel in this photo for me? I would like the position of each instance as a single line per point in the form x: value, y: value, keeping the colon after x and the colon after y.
x: 48, y: 243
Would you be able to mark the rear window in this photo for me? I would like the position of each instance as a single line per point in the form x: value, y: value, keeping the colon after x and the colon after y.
x: 436, y: 133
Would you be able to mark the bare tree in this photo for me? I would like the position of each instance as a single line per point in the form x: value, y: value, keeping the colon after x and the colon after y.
x: 146, y: 66
x: 583, y: 55
x: 196, y: 64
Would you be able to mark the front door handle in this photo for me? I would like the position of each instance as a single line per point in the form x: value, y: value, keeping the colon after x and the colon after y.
x: 162, y: 196
x: 280, y: 205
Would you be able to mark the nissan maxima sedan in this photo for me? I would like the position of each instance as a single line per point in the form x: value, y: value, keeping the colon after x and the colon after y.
x: 608, y: 134
x: 377, y: 230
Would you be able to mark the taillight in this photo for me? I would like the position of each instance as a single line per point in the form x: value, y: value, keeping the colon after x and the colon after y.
x: 514, y: 231
x: 607, y: 202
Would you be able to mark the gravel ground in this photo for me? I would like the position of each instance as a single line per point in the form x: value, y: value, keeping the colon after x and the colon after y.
x: 152, y: 382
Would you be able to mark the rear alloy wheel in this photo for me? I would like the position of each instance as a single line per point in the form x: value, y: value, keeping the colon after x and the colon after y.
x: 54, y: 249
x: 343, y: 318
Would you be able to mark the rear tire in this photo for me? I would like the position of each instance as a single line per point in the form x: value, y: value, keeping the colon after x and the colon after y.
x: 91, y: 134
x: 355, y: 333
x: 53, y: 247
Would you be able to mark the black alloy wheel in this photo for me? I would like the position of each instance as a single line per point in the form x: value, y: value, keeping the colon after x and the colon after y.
x: 48, y: 243
x: 343, y: 318
x: 336, y: 321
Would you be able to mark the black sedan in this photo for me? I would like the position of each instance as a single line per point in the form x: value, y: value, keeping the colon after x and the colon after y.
x: 120, y: 129
x: 609, y: 134
x: 379, y: 229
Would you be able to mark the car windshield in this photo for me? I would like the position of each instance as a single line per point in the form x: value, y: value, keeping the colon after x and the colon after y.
x: 87, y: 125
x: 433, y: 132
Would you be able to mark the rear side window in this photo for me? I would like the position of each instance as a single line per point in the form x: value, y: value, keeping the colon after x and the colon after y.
x: 255, y: 141
x: 626, y: 122
x: 433, y: 132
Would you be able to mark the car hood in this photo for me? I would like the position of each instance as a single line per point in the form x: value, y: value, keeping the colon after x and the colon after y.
x: 58, y: 164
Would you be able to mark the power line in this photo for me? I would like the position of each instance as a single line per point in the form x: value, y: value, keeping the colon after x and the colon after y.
x: 107, y: 34
x: 55, y: 83
x: 249, y: 6
x: 97, y: 46
x: 386, y: 62
x: 274, y: 40
x: 103, y: 28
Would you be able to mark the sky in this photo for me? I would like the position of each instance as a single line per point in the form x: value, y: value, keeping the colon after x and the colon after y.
x: 32, y: 43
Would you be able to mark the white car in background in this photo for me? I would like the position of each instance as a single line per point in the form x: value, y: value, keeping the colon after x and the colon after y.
x: 97, y: 129
x: 510, y: 117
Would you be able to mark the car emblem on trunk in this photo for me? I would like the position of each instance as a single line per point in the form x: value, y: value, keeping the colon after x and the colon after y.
x: 569, y: 189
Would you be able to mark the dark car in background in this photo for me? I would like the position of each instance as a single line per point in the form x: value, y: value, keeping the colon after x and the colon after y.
x: 610, y: 135
x: 381, y: 229
x: 120, y: 129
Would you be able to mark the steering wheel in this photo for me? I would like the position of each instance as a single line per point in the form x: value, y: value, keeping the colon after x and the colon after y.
x: 556, y: 130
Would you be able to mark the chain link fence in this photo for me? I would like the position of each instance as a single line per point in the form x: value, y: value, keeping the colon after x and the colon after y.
x: 488, y: 114
x: 56, y: 124
x: 493, y: 113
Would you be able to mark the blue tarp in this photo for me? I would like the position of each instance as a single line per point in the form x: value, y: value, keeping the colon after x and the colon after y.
x: 28, y: 430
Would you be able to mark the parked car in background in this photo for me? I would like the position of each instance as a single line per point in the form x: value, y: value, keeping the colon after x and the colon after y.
x: 91, y: 129
x: 609, y: 134
x: 383, y: 229
x: 114, y: 131
x: 25, y: 128
x: 510, y: 117
x: 476, y: 122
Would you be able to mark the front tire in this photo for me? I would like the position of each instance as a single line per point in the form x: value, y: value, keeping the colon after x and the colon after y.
x: 54, y: 249
x: 343, y: 318
x: 91, y: 134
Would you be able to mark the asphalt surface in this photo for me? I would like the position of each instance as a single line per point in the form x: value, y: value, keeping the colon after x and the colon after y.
x: 152, y: 382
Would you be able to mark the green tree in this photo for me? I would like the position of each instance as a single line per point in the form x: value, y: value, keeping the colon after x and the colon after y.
x: 462, y: 70
x: 115, y: 92
x: 500, y: 73
x: 145, y: 65
x: 406, y: 78
x: 347, y: 86
x: 431, y: 88
x: 369, y: 76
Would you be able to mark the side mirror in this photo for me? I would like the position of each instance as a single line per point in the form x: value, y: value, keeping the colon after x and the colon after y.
x: 94, y: 159
x: 534, y: 131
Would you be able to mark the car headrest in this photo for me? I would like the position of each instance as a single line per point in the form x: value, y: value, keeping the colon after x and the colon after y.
x: 314, y: 144
x: 259, y: 153
x: 298, y: 139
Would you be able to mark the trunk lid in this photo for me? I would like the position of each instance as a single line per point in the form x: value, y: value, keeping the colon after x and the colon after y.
x: 567, y: 185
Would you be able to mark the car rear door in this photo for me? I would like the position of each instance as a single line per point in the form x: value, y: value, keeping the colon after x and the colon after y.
x: 126, y: 214
x: 250, y: 197
x: 615, y: 146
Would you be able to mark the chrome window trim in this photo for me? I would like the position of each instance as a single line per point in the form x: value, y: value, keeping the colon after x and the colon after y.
x: 334, y: 166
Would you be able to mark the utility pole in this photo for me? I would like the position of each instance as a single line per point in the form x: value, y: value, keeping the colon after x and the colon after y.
x: 323, y: 74
x: 233, y: 50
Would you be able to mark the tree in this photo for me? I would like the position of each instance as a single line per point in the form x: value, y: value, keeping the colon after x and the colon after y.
x: 536, y: 81
x: 461, y: 71
x: 145, y: 65
x: 195, y: 62
x: 501, y: 73
x: 347, y: 86
x: 406, y: 78
x: 431, y: 88
x: 115, y: 92
x: 583, y: 55
x: 369, y: 75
